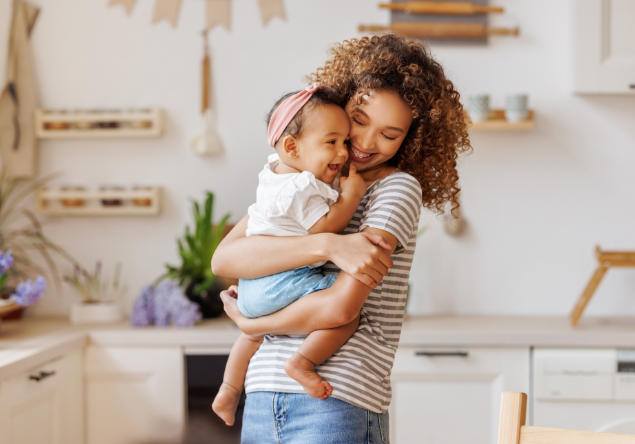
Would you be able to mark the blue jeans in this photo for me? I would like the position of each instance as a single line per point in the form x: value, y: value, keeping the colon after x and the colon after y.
x: 296, y: 418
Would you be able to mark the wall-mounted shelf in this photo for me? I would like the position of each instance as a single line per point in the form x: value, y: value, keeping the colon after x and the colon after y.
x: 98, y: 124
x: 144, y: 202
x: 498, y: 122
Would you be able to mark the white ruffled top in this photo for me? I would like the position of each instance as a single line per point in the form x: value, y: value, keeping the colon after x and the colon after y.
x: 288, y: 204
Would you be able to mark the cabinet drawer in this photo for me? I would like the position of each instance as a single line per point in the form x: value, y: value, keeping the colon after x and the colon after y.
x: 460, y: 360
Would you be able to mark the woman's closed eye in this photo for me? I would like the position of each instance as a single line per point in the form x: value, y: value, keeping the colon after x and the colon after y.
x: 388, y: 138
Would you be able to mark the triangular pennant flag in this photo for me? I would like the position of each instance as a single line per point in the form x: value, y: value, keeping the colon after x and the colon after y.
x: 166, y: 9
x: 217, y: 12
x: 128, y: 4
x: 270, y: 9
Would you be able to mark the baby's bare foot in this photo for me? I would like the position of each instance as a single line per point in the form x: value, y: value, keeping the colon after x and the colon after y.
x: 302, y: 370
x: 226, y: 403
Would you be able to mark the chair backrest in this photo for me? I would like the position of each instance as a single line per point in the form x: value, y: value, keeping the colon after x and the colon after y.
x: 512, y: 428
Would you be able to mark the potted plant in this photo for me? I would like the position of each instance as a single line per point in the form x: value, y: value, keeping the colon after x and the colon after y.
x: 21, y: 234
x: 196, y: 250
x: 100, y: 296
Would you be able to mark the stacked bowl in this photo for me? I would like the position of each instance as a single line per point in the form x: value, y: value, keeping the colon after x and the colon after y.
x: 516, y: 108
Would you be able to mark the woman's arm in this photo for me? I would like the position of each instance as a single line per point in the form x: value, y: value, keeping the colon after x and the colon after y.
x: 321, y: 310
x: 363, y: 255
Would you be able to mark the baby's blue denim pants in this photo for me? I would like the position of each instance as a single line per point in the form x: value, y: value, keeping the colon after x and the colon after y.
x: 266, y: 295
x: 296, y: 418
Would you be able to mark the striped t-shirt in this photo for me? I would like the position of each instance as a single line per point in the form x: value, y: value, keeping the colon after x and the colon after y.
x: 360, y: 370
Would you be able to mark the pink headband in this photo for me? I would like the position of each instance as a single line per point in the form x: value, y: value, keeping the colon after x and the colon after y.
x: 286, y: 111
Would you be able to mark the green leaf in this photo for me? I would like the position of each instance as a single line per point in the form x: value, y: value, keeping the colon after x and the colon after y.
x: 196, y: 248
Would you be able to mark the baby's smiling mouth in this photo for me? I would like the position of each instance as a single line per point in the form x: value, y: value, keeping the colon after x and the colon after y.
x: 334, y: 167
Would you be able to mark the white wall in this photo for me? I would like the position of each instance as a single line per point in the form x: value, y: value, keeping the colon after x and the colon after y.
x: 537, y: 202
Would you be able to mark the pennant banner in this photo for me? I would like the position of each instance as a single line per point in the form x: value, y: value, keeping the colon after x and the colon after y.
x: 270, y: 9
x: 217, y: 12
x: 167, y: 9
x: 128, y: 4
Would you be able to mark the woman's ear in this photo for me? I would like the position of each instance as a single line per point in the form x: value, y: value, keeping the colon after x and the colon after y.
x: 290, y: 147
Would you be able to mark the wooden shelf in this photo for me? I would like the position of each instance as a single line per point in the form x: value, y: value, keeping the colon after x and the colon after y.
x: 49, y: 202
x: 498, y: 122
x: 124, y: 119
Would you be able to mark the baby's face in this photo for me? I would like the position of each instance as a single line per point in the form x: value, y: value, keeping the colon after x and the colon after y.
x: 322, y: 147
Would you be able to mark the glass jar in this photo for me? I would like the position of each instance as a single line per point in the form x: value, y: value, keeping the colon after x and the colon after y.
x: 111, y: 201
x: 142, y: 201
x: 72, y: 201
x: 140, y: 124
x: 55, y: 126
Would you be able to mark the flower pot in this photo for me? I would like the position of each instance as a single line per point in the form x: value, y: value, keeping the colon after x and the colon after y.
x: 209, y: 301
x: 95, y: 313
x: 12, y: 314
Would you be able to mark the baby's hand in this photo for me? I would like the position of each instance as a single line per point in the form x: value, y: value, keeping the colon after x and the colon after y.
x: 353, y: 183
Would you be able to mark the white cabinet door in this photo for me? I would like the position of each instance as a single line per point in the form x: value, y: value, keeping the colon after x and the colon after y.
x: 134, y: 395
x: 449, y: 396
x: 604, y: 46
x: 44, y: 405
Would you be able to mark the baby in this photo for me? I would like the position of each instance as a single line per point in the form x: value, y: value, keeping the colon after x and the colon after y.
x: 309, y: 131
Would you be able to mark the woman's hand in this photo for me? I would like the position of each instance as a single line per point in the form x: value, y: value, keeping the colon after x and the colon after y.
x: 365, y: 256
x: 230, y: 301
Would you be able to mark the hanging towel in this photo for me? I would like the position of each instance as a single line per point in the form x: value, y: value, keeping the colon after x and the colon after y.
x: 18, y: 99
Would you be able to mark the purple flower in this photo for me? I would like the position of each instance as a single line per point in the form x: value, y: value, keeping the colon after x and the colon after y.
x: 164, y: 304
x: 143, y: 310
x: 29, y: 292
x: 5, y: 261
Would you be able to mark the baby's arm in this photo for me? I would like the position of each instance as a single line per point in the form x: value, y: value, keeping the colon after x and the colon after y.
x: 342, y: 211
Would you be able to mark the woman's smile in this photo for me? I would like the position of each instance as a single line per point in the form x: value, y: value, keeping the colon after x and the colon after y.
x: 358, y: 155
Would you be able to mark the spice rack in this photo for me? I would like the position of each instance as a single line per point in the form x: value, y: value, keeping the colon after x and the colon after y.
x: 144, y: 202
x: 497, y: 122
x: 98, y: 124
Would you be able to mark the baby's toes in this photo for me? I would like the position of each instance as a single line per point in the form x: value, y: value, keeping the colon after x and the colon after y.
x: 327, y: 390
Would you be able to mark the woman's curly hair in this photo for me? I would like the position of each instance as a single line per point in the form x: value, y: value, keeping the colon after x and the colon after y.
x: 438, y: 133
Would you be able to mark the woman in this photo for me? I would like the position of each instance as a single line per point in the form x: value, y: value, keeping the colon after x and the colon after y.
x: 407, y: 130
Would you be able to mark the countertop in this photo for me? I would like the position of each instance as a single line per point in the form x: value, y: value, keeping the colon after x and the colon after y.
x: 28, y: 343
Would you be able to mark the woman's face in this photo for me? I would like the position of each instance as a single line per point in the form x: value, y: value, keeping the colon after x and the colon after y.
x: 378, y: 127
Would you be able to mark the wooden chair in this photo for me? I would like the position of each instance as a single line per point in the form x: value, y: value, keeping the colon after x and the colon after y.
x: 512, y: 428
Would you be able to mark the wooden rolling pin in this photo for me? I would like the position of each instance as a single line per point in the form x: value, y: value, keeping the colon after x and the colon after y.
x: 455, y: 8
x: 440, y: 30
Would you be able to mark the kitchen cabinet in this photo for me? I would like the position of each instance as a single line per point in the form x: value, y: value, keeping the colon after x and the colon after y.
x: 44, y: 405
x: 134, y: 395
x: 450, y: 395
x: 604, y: 39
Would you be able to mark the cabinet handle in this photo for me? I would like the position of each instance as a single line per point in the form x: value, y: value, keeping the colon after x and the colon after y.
x: 460, y: 354
x: 41, y: 376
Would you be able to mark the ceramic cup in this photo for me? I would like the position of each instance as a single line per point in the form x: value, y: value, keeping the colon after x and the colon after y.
x: 478, y: 107
x: 516, y: 108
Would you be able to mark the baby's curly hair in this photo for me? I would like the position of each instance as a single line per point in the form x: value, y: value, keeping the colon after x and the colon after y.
x: 438, y: 133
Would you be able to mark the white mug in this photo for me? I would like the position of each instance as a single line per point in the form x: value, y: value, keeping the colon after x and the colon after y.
x: 478, y: 107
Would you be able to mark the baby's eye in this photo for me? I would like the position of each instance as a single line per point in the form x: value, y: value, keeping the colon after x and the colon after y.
x: 332, y: 141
